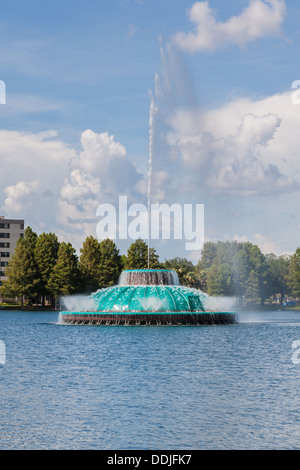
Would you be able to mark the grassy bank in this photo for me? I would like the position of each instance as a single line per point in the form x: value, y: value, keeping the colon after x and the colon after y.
x: 26, y: 307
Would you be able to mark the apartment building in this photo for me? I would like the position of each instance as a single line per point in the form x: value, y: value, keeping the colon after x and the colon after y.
x: 10, y: 231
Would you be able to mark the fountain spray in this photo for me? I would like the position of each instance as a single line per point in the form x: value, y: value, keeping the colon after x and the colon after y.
x: 151, y: 129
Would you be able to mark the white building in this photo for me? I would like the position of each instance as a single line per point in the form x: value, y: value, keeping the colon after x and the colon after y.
x: 10, y: 231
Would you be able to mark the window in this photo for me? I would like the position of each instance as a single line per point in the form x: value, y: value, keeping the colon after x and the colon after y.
x: 5, y: 235
x: 3, y: 264
x: 5, y: 254
x: 22, y: 226
x: 2, y: 225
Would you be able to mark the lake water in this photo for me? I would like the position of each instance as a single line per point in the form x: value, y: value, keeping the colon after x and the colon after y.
x: 158, y: 388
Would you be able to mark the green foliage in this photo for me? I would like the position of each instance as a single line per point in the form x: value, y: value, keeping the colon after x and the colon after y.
x: 252, y: 291
x: 294, y: 274
x: 64, y: 278
x: 185, y: 271
x: 219, y: 253
x: 279, y: 269
x: 23, y: 276
x: 100, y: 264
x: 42, y: 266
x: 253, y: 273
x: 220, y: 280
x: 45, y: 254
x: 240, y: 269
x: 137, y: 256
x: 111, y: 264
x: 89, y: 263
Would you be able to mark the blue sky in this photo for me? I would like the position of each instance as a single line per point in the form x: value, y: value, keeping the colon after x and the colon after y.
x: 74, y: 131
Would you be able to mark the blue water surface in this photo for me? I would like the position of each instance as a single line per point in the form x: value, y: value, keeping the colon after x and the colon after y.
x: 149, y: 387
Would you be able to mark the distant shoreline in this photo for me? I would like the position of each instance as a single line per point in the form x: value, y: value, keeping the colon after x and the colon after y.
x: 29, y: 308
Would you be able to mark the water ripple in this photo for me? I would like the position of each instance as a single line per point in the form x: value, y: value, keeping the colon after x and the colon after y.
x: 219, y: 387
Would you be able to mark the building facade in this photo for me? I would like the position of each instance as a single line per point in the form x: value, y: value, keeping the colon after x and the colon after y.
x: 10, y: 231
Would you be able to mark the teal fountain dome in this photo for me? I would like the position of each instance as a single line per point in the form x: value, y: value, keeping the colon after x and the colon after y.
x: 148, y: 297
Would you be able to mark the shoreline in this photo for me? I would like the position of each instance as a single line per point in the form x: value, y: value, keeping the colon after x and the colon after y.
x: 29, y: 308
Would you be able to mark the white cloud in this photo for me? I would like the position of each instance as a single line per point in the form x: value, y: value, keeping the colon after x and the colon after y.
x: 19, y: 196
x: 160, y: 181
x: 78, y: 199
x: 259, y: 19
x: 97, y: 149
x: 27, y: 156
x: 82, y: 187
x: 55, y: 187
x: 105, y: 158
x: 243, y: 148
x: 33, y: 169
x: 100, y: 172
x: 266, y: 244
x: 238, y: 161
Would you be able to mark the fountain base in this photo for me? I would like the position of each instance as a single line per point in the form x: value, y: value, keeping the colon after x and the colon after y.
x: 148, y: 297
x: 136, y: 319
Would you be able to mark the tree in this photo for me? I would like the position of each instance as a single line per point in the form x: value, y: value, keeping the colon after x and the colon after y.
x: 293, y: 277
x: 23, y: 277
x: 64, y: 278
x: 110, y: 265
x: 252, y: 274
x: 219, y: 253
x: 252, y: 291
x: 208, y: 255
x: 45, y: 253
x: 220, y: 280
x: 248, y: 273
x: 262, y: 272
x: 206, y: 261
x: 185, y: 270
x: 137, y: 256
x: 279, y: 268
x: 89, y: 263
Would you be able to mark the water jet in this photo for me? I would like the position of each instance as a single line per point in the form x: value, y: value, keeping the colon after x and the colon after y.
x: 148, y: 297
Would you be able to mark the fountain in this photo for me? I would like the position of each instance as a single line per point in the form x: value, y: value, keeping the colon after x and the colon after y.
x: 148, y: 297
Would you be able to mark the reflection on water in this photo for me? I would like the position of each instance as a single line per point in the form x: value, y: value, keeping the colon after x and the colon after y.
x: 278, y: 316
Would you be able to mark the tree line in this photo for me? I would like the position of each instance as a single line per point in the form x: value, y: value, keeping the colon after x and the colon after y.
x: 242, y: 270
x: 42, y: 267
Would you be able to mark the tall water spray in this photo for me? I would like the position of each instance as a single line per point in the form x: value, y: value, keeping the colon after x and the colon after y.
x: 151, y: 131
